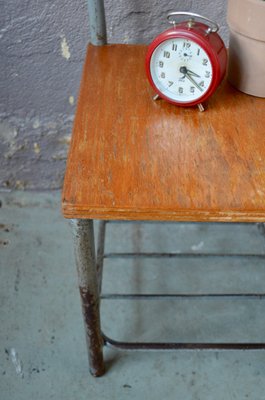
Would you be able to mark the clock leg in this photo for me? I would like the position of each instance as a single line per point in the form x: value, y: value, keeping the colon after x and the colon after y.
x: 201, y: 107
x: 84, y: 245
x: 156, y: 97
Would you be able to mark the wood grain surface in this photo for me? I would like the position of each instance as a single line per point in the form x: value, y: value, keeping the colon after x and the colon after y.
x: 138, y: 159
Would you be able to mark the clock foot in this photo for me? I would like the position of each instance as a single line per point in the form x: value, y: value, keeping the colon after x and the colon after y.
x: 201, y: 107
x: 156, y: 97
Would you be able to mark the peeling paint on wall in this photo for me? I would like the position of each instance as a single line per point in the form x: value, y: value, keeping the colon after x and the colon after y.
x: 34, y: 159
x: 36, y: 147
x: 65, y: 48
x: 7, y: 132
x: 36, y: 123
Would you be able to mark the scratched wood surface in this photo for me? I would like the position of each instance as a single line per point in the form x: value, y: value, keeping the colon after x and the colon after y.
x: 135, y: 158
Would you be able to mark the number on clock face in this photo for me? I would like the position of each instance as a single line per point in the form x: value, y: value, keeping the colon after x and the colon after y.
x: 181, y: 70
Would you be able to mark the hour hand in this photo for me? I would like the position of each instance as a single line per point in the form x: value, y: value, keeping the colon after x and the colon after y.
x: 184, y: 70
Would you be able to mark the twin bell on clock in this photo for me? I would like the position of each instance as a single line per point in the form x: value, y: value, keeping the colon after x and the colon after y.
x: 186, y: 63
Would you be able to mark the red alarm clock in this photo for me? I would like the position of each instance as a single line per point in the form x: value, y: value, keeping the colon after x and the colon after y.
x: 186, y: 63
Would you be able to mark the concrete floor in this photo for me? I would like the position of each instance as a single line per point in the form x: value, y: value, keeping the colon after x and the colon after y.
x: 43, y: 353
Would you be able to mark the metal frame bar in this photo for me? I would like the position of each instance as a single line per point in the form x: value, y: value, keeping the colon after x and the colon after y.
x: 178, y: 255
x: 180, y: 346
x: 90, y: 270
x: 97, y: 22
x: 151, y: 296
x: 84, y: 246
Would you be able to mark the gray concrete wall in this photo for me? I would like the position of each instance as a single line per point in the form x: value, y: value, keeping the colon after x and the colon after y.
x: 42, y: 47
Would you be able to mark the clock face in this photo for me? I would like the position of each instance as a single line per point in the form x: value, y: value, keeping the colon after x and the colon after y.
x: 181, y: 70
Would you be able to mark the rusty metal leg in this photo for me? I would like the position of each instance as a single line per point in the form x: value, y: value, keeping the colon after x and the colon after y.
x: 96, y: 12
x: 83, y: 232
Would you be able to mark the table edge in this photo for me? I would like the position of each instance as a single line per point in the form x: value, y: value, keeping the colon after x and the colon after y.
x: 162, y: 215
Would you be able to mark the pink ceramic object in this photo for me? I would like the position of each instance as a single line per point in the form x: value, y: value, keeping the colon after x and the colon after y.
x: 246, y: 69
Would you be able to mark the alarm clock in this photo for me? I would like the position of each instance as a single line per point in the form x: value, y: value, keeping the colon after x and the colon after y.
x: 186, y: 63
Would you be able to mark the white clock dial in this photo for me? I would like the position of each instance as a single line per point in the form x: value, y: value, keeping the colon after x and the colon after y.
x: 181, y: 70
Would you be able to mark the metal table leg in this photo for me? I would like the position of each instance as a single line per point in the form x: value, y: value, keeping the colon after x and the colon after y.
x: 84, y: 244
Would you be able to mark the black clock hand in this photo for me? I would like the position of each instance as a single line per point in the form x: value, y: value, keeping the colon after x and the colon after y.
x: 194, y: 82
x: 184, y: 71
x: 192, y: 73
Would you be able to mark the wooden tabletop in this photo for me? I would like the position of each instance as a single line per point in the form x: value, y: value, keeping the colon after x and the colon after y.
x: 138, y: 159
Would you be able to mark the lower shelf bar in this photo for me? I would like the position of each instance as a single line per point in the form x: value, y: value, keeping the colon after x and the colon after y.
x: 114, y: 296
x: 180, y: 255
x: 180, y: 346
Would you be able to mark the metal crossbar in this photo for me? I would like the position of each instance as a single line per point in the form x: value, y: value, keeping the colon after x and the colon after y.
x: 150, y: 296
x: 101, y: 256
x: 180, y: 346
x: 179, y: 255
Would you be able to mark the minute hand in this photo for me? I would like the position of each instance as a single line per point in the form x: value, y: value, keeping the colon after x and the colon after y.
x: 192, y: 73
x: 193, y: 81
